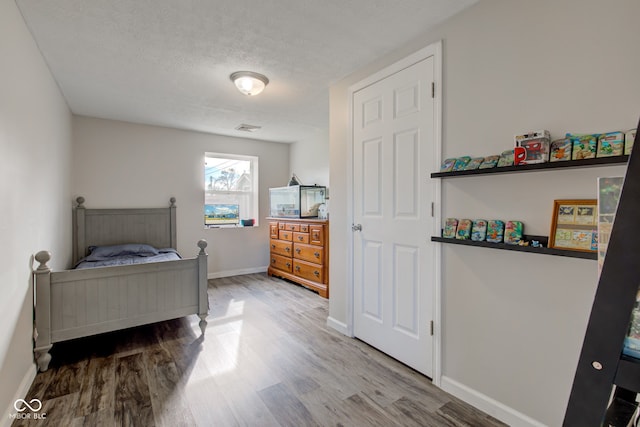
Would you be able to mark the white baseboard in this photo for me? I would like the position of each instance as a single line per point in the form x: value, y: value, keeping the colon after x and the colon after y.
x: 492, y: 407
x: 229, y: 273
x: 21, y: 393
x: 339, y: 326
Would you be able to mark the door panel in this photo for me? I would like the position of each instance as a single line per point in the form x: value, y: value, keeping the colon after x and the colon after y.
x: 393, y: 138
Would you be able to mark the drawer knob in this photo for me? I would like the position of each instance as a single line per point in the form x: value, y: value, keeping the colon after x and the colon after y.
x: 287, y: 249
x: 298, y: 250
x: 288, y: 264
x: 273, y: 246
x: 297, y: 268
x: 273, y: 260
x: 300, y: 238
x: 316, y: 254
x: 316, y: 273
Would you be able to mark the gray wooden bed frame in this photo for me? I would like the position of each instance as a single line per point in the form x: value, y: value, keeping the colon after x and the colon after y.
x: 77, y: 303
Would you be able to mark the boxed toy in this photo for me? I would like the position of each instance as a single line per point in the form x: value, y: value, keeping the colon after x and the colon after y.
x: 560, y: 150
x: 584, y: 146
x: 610, y: 144
x: 629, y: 137
x: 532, y: 147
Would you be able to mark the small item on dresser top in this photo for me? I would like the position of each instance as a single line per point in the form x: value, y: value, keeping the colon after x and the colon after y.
x: 584, y: 146
x: 495, y: 231
x: 532, y: 147
x: 506, y: 158
x: 479, y: 230
x: 447, y: 165
x: 610, y: 144
x: 323, y: 212
x: 560, y: 150
x: 489, y: 162
x: 629, y: 137
x: 464, y: 229
x: 513, y: 232
x: 450, y: 227
x: 461, y: 162
x: 474, y: 163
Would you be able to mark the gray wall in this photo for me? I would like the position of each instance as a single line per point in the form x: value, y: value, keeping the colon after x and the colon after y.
x: 118, y: 164
x: 513, y: 323
x: 35, y: 155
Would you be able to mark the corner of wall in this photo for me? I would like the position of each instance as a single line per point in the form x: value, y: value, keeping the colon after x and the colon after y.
x: 21, y: 393
x: 483, y: 402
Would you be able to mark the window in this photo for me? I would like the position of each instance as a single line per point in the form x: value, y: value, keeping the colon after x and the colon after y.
x: 231, y: 190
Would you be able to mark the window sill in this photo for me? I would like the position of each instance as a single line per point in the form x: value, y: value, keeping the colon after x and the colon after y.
x: 207, y: 227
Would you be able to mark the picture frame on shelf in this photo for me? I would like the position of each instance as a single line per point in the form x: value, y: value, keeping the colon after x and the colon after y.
x: 574, y: 225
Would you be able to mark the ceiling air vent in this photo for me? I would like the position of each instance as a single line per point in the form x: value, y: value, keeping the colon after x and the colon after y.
x: 248, y: 128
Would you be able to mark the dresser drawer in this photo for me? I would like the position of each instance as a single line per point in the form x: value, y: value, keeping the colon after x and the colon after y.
x: 273, y: 230
x: 285, y: 235
x: 309, y: 271
x: 309, y: 253
x: 291, y: 226
x: 281, y: 263
x: 316, y: 235
x: 301, y: 237
x: 281, y: 247
x: 304, y: 228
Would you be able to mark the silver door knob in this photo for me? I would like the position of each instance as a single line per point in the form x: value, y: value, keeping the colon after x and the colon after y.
x: 356, y: 227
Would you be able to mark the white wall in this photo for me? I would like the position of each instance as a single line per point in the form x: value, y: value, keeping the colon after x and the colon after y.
x: 309, y: 158
x: 118, y: 164
x: 35, y: 154
x: 513, y: 323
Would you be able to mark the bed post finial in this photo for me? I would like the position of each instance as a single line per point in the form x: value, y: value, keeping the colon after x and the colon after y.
x: 202, y: 244
x: 43, y: 258
x: 173, y: 202
x: 80, y: 201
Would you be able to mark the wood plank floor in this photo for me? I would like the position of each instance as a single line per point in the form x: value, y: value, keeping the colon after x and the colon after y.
x: 267, y: 359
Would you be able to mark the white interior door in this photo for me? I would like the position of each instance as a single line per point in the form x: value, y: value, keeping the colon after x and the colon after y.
x: 393, y: 146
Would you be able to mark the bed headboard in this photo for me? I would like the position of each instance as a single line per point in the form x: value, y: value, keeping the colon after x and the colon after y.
x: 99, y: 227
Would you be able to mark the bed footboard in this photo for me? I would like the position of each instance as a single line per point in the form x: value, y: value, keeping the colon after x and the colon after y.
x: 77, y: 303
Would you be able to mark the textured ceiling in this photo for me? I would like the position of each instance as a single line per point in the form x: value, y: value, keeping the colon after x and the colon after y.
x: 167, y: 62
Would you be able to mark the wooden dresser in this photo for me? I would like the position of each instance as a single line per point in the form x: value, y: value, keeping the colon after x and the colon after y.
x: 299, y: 251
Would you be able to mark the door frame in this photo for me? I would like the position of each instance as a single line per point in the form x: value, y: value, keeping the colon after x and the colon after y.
x: 433, y: 50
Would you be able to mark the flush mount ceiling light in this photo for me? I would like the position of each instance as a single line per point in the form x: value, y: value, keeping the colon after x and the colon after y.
x: 248, y: 82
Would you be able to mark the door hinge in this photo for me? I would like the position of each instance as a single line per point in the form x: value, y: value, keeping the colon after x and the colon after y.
x: 432, y: 209
x: 431, y: 326
x: 433, y: 89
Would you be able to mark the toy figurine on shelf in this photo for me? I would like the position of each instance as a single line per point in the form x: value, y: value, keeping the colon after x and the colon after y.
x: 450, y: 227
x: 460, y: 163
x: 513, y: 232
x: 479, y: 230
x: 474, y: 163
x: 447, y: 165
x: 464, y: 229
x: 506, y: 158
x: 495, y: 231
x: 489, y: 162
